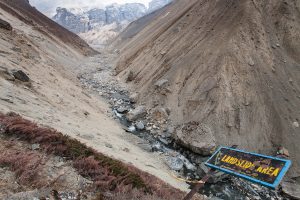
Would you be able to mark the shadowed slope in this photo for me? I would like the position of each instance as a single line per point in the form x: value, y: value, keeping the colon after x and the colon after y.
x: 232, y: 65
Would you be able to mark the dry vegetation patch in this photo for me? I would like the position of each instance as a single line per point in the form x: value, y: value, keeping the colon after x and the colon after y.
x: 110, y: 177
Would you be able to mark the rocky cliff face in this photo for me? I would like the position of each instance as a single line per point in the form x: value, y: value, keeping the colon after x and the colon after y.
x: 75, y: 23
x: 98, y: 26
x: 84, y: 21
x: 157, y: 4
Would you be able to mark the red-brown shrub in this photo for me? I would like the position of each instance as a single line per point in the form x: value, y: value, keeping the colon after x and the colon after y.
x: 26, y: 165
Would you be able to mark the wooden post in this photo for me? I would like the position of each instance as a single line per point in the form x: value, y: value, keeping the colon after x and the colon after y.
x: 199, y: 185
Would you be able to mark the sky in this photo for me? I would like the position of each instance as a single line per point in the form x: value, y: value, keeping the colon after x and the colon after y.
x: 48, y: 6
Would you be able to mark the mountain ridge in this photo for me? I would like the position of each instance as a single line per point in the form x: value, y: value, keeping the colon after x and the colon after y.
x: 98, y: 26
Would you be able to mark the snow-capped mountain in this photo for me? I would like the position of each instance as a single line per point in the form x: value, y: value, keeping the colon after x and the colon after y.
x: 99, y: 25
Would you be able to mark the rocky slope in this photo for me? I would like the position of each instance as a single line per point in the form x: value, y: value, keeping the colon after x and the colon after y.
x: 99, y: 26
x: 228, y: 71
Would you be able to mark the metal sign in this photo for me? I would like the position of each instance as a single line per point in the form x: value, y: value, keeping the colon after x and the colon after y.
x: 261, y: 169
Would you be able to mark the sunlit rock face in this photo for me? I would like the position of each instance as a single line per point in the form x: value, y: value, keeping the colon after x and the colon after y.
x: 82, y: 21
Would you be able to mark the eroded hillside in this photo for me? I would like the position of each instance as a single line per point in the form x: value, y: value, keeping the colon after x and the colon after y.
x: 231, y: 66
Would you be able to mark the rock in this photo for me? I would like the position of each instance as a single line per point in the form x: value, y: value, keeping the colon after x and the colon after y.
x: 130, y: 76
x: 137, y: 113
x: 35, y: 147
x: 118, y: 114
x: 164, y: 141
x: 296, y: 124
x: 204, y: 168
x: 197, y: 137
x: 170, y: 131
x: 291, y: 189
x: 157, y: 146
x: 251, y: 62
x: 108, y: 145
x: 187, y: 163
x: 277, y: 45
x: 199, y: 159
x: 140, y: 125
x: 133, y: 97
x: 159, y: 114
x: 131, y: 129
x: 174, y: 163
x: 20, y: 75
x: 283, y: 151
x: 163, y: 53
x: 161, y: 83
x: 5, y: 25
x: 122, y: 110
x: 145, y: 146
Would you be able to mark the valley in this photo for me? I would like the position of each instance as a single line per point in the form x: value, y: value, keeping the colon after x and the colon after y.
x: 135, y: 110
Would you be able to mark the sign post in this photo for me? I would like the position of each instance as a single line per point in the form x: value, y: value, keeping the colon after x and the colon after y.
x: 261, y: 169
x: 199, y: 185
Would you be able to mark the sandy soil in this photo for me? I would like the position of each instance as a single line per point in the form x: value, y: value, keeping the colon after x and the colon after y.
x: 56, y: 99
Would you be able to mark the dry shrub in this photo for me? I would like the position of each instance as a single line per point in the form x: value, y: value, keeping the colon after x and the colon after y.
x: 26, y: 165
x: 108, y: 174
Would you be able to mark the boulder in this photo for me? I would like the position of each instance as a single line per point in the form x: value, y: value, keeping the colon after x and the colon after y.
x: 5, y: 25
x: 129, y: 76
x: 133, y: 97
x: 174, y: 163
x: 137, y: 113
x: 161, y: 83
x: 296, y: 124
x: 140, y: 125
x: 291, y: 189
x: 187, y: 163
x: 20, y: 75
x: 159, y: 114
x: 283, y: 151
x: 122, y: 110
x: 35, y: 147
x: 197, y: 137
